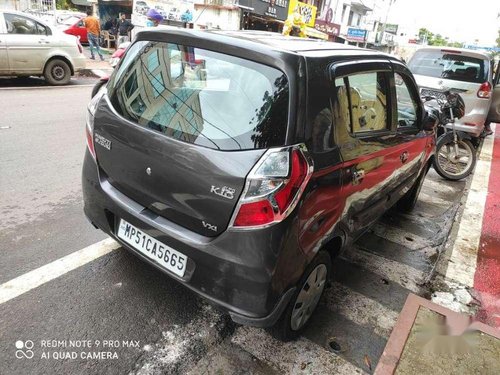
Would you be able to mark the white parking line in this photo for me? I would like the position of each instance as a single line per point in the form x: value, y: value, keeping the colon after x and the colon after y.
x: 462, y: 263
x: 33, y: 279
x: 406, y: 276
x: 360, y: 309
x: 46, y: 87
x: 296, y: 357
x: 432, y: 198
x: 400, y: 236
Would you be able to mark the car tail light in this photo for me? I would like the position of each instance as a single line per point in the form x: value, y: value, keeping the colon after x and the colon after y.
x: 451, y: 51
x: 273, y: 187
x: 484, y: 90
x: 89, y: 126
x: 90, y: 139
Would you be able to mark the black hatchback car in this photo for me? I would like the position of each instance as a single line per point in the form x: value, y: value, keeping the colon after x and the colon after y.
x: 240, y: 163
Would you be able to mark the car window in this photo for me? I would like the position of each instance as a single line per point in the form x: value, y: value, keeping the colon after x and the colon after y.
x: 454, y: 66
x: 363, y: 100
x: 201, y: 97
x: 406, y: 106
x: 41, y: 30
x: 16, y: 24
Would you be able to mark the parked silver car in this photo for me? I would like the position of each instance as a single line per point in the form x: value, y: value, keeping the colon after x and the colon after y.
x: 467, y: 72
x: 28, y: 46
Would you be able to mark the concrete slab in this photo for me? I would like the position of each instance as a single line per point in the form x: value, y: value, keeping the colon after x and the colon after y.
x: 429, y: 338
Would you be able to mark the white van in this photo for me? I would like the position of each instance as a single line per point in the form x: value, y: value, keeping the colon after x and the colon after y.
x: 465, y: 71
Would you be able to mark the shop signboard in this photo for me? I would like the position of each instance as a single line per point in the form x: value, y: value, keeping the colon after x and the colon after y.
x: 356, y: 35
x: 331, y: 29
x: 389, y: 28
x: 171, y: 10
x: 307, y: 11
x: 270, y: 8
x: 324, y: 18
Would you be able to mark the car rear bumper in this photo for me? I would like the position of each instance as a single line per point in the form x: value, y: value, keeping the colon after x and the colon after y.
x: 79, y: 63
x: 470, y: 128
x: 251, y: 274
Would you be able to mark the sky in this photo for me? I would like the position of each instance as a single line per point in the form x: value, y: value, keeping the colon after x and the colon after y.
x: 460, y: 20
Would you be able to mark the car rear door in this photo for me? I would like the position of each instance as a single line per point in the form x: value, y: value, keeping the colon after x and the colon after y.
x: 378, y: 160
x: 4, y: 58
x: 181, y: 128
x: 28, y: 43
x: 494, y: 113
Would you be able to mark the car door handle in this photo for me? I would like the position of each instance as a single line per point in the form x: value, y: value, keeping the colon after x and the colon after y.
x: 357, y: 176
x: 404, y: 157
x: 43, y: 41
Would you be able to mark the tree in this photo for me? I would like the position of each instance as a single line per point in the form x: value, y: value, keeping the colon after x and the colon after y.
x: 424, y: 35
x: 438, y: 40
x: 63, y: 4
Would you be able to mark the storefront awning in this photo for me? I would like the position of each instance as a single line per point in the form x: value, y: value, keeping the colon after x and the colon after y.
x: 86, y: 3
x: 313, y: 33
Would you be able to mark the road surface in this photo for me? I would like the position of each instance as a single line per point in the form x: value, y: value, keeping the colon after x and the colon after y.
x: 110, y: 313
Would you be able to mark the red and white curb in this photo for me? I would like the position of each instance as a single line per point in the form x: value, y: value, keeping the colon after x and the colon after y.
x: 473, y: 268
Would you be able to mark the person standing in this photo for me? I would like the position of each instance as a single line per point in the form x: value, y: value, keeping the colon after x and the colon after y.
x: 154, y: 18
x: 124, y: 27
x: 93, y: 31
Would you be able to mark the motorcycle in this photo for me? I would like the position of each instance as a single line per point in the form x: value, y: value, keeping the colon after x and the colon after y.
x: 455, y: 154
x: 118, y: 54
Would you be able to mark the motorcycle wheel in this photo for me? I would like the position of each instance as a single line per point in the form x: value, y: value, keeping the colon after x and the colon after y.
x: 448, y: 164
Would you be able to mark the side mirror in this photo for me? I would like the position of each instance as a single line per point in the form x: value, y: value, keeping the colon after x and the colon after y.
x: 430, y: 120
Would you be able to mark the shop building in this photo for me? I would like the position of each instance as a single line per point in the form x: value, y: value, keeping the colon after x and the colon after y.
x: 265, y: 15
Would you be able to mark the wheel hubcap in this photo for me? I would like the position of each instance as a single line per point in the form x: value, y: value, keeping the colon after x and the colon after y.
x: 308, y: 297
x: 58, y: 72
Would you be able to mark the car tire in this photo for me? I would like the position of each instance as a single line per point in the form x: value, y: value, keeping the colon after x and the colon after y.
x: 315, y: 277
x: 57, y: 72
x: 408, y: 201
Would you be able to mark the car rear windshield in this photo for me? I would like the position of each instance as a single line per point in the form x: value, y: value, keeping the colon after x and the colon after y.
x: 453, y: 66
x: 201, y: 97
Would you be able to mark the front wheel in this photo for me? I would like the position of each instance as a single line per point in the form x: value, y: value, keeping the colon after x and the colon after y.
x: 454, y: 162
x: 305, y: 299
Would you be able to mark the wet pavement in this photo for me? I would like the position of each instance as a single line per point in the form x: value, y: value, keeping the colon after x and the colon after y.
x: 119, y: 298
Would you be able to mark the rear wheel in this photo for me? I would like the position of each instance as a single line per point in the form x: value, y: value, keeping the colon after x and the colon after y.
x: 408, y: 201
x: 454, y: 163
x: 57, y: 72
x: 305, y: 299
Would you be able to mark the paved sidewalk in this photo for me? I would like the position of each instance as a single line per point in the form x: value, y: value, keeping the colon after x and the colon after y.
x: 97, y: 68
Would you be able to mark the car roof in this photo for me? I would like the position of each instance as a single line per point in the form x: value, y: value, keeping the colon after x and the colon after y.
x: 271, y: 41
x: 462, y: 51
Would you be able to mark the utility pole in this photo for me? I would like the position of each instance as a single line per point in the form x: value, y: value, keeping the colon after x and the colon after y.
x: 54, y: 9
x: 386, y: 18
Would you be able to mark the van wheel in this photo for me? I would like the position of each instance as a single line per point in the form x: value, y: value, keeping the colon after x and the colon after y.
x: 408, y: 201
x: 57, y: 72
x: 305, y: 299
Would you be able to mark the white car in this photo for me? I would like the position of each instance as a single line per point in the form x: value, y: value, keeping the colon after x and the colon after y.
x: 467, y: 72
x: 29, y: 47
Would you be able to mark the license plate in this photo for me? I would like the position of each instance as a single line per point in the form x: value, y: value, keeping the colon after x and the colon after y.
x: 155, y: 250
x: 433, y: 93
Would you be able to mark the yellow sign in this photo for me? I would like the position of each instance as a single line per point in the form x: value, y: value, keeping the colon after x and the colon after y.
x: 307, y: 11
